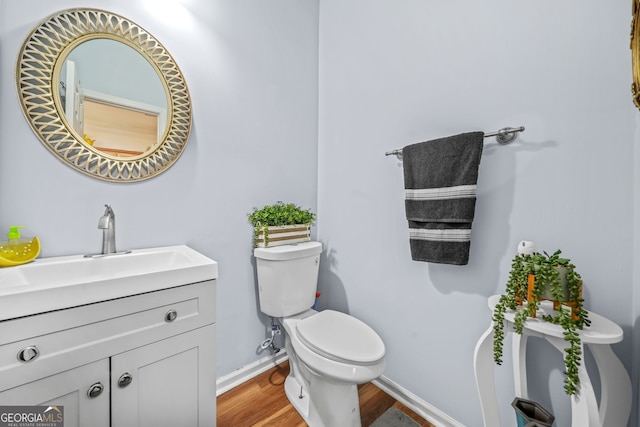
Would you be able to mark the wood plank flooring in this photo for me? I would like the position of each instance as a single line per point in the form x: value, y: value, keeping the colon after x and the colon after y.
x: 261, y: 402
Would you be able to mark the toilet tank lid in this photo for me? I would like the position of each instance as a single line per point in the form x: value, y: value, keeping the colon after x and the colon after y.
x: 285, y: 252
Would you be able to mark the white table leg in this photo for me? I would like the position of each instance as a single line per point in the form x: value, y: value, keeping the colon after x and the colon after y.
x: 485, y: 382
x: 615, y: 399
x: 519, y: 354
x: 584, y: 407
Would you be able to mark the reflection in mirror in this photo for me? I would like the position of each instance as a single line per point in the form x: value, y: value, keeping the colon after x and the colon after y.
x: 113, y: 98
x: 103, y: 95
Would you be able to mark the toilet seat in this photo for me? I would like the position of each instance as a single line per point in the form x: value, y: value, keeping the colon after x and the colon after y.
x: 340, y: 337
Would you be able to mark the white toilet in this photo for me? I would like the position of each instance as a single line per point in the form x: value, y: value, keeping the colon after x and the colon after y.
x: 330, y: 352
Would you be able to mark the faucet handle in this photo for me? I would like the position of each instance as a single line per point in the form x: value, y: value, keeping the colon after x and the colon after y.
x: 107, y: 219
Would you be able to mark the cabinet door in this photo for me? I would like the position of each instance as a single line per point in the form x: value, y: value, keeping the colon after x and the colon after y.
x: 168, y: 383
x: 70, y: 389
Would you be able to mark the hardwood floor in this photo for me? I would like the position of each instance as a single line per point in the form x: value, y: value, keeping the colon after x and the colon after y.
x: 261, y: 402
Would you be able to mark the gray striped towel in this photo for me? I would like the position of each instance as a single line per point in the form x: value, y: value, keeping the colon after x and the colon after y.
x: 440, y: 178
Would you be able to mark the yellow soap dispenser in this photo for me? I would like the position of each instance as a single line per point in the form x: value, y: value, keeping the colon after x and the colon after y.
x: 18, y: 250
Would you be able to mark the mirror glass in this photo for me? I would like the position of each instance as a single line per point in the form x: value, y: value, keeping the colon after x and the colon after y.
x: 112, y: 98
x: 103, y: 95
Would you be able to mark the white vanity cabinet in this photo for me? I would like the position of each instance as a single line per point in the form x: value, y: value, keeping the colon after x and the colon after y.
x: 141, y: 360
x: 69, y: 389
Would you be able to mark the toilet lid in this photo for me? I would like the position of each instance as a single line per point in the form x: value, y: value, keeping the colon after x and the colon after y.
x: 340, y: 337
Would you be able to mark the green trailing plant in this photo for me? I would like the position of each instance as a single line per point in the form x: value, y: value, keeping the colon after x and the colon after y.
x: 278, y: 214
x: 555, y: 279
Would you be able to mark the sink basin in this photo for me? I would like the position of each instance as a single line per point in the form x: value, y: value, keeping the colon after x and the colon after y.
x: 60, y: 282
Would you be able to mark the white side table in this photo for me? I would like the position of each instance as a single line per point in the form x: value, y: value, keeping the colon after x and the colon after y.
x: 615, y: 399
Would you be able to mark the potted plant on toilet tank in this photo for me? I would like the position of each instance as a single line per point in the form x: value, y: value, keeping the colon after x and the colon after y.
x: 535, y: 277
x: 281, y: 224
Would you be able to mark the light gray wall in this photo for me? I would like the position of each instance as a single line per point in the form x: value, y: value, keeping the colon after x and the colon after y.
x: 251, y: 68
x: 395, y: 73
x: 635, y: 335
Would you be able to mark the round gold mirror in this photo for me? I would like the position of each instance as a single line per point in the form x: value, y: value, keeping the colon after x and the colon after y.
x: 635, y: 52
x: 103, y: 95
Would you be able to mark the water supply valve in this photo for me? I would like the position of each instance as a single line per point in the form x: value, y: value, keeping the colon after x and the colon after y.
x: 268, y: 343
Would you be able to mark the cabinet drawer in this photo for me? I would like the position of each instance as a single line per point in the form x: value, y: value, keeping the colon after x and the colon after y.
x: 56, y: 341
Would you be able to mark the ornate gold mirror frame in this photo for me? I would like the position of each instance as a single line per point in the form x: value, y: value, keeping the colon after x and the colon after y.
x: 37, y: 73
x: 635, y: 52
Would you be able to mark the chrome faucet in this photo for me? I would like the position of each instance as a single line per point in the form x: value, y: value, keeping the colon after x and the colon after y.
x: 107, y: 224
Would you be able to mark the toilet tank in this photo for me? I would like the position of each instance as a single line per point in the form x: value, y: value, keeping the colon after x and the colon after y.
x: 287, y: 277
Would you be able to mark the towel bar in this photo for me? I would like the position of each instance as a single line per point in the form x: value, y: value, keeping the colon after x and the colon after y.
x: 503, y: 136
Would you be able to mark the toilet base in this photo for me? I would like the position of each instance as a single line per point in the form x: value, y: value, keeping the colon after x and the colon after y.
x: 331, y: 405
x: 322, y: 390
x: 297, y: 397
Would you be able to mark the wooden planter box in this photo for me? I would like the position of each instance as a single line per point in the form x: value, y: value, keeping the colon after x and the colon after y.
x: 283, y: 235
x: 549, y: 297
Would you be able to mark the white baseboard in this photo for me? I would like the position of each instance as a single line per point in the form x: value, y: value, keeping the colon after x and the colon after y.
x: 419, y: 406
x: 239, y: 376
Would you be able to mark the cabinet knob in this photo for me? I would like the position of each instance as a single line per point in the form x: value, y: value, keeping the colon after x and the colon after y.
x: 27, y: 354
x: 171, y: 316
x: 124, y: 380
x: 95, y: 390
